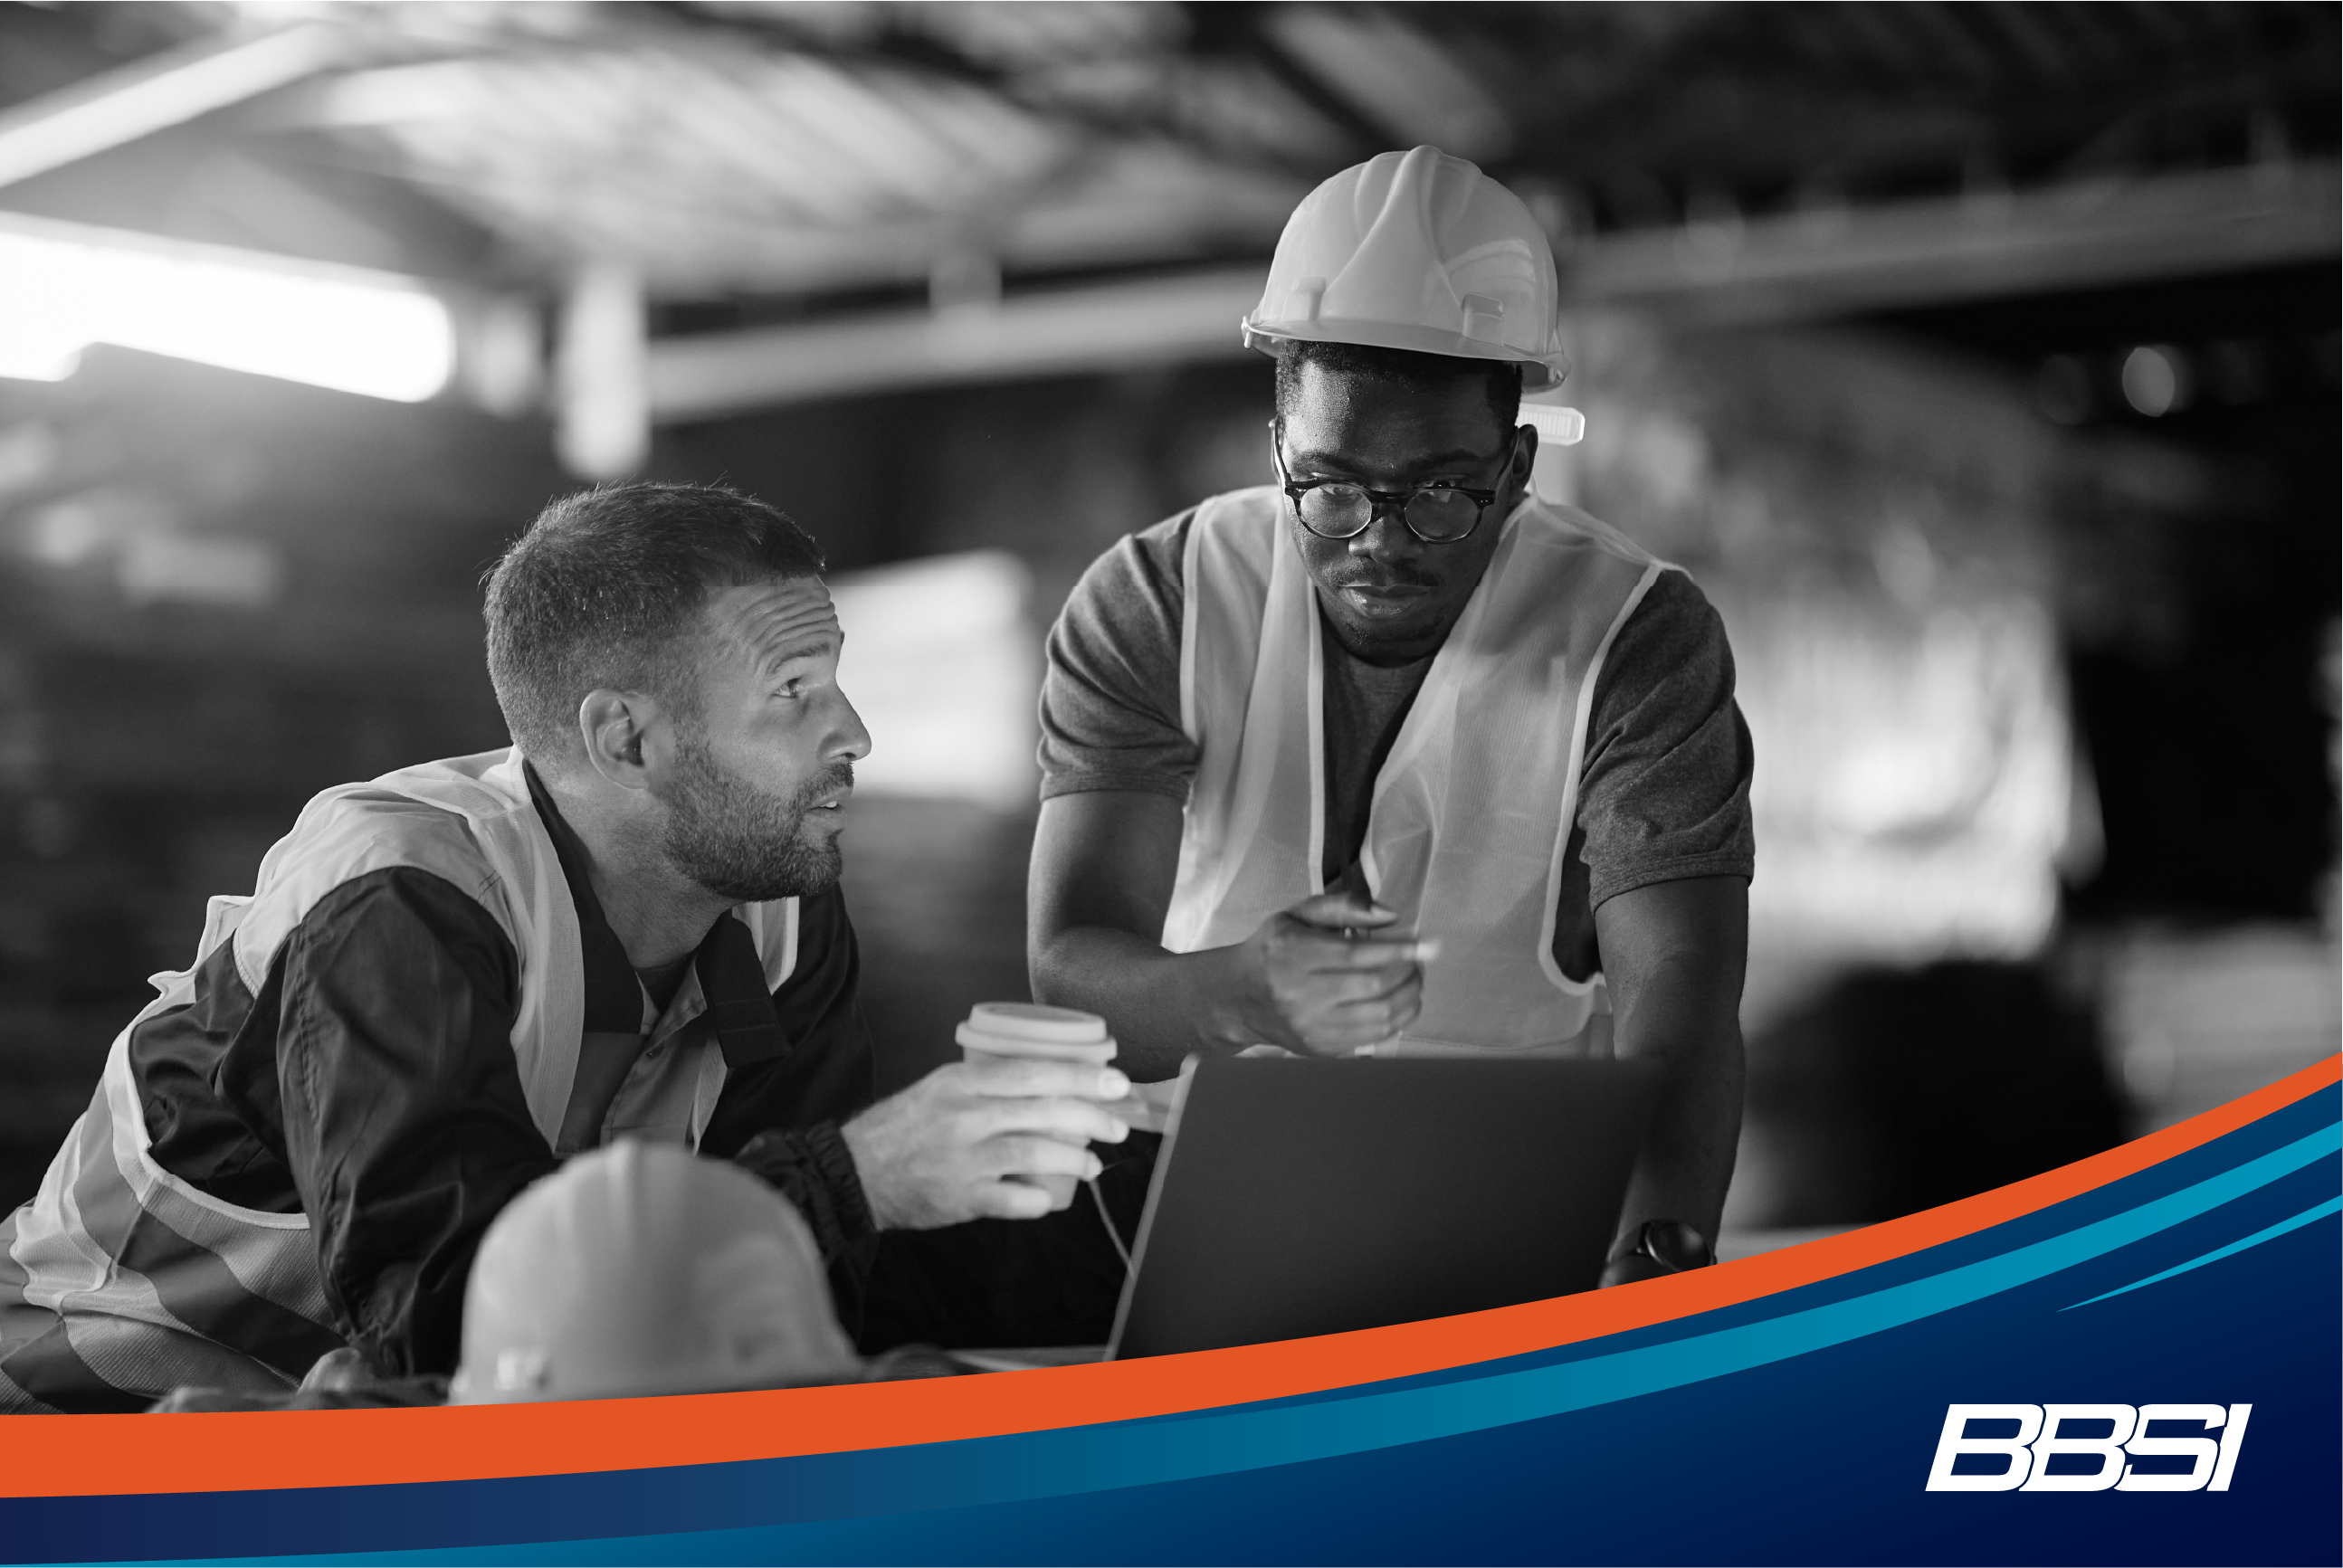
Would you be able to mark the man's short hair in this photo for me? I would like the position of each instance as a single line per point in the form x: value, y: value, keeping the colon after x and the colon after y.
x: 605, y: 588
x: 1401, y: 367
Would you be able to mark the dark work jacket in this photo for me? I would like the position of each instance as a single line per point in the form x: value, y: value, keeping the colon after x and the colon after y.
x: 371, y: 1085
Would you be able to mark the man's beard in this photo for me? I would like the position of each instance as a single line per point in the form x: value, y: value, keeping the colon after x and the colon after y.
x: 743, y: 843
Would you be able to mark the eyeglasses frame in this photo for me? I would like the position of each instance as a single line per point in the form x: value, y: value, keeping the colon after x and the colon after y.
x: 1378, y: 501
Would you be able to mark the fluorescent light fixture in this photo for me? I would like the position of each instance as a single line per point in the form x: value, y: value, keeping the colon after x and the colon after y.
x: 63, y: 286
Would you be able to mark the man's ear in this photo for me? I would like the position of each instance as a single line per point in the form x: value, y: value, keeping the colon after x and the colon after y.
x: 614, y: 725
x: 1514, y: 482
x: 1525, y: 444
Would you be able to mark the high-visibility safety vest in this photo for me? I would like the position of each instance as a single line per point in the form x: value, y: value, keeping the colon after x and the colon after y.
x: 156, y: 1283
x: 1471, y: 814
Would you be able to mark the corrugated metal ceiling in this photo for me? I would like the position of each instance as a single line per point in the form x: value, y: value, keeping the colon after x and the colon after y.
x: 799, y: 149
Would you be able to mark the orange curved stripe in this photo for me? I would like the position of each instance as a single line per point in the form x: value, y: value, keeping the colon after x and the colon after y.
x: 100, y: 1454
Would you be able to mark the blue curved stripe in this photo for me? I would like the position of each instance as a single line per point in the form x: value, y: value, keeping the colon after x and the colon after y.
x: 2332, y: 1205
x: 1249, y: 1440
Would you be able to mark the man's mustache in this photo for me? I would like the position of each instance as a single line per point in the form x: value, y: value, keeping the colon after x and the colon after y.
x: 839, y: 776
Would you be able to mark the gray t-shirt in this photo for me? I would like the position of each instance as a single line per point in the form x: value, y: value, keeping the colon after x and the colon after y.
x: 1664, y: 791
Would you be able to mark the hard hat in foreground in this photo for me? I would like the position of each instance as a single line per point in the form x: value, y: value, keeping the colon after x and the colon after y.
x: 639, y: 1268
x: 1418, y: 251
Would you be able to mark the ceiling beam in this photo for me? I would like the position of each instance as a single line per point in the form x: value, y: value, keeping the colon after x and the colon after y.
x: 1816, y: 266
x: 1057, y: 333
x: 152, y: 94
x: 1845, y: 261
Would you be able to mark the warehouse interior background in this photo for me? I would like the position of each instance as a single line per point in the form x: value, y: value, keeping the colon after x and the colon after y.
x: 1979, y: 360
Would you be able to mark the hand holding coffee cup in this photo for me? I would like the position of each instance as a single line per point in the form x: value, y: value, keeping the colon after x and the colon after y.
x: 1011, y: 1030
x: 982, y: 1139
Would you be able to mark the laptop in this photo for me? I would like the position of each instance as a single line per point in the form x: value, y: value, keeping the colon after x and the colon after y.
x: 1295, y: 1196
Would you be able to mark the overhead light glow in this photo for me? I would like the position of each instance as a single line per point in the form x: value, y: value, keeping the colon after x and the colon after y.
x: 32, y: 355
x: 2154, y: 380
x: 63, y: 288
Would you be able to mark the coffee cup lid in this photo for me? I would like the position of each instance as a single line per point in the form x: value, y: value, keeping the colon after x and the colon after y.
x: 1100, y: 1052
x: 1032, y: 1021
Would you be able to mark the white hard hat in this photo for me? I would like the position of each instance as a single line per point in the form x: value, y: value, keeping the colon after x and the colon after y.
x: 639, y: 1268
x: 1421, y: 251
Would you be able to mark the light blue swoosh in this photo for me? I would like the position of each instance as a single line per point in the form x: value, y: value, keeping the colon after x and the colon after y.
x: 2218, y: 1253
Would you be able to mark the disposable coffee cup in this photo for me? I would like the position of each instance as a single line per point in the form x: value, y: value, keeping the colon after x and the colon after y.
x: 1024, y: 1029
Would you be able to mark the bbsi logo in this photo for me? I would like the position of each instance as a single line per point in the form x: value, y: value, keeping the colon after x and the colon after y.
x: 2039, y: 1448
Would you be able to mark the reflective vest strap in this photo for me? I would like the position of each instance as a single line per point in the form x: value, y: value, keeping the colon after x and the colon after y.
x: 243, y: 1278
x: 469, y: 822
x: 103, y: 1297
x: 1233, y: 572
x: 22, y: 1326
x: 775, y: 927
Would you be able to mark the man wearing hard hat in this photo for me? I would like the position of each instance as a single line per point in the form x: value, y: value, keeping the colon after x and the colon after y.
x: 451, y: 978
x: 1389, y: 757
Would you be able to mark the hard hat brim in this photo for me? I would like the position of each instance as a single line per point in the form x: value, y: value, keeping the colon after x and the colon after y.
x: 1538, y: 372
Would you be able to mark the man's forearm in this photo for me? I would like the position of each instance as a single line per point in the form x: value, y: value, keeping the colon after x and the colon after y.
x: 1688, y: 1154
x: 1675, y: 953
x: 1161, y: 1007
x: 1687, y: 1162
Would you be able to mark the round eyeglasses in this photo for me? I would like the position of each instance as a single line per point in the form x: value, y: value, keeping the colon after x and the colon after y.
x: 1438, y: 513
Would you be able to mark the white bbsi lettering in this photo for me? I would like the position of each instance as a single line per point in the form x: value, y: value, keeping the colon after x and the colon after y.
x: 2108, y: 1450
x: 2234, y: 1434
x: 2200, y: 1451
x: 1954, y: 1441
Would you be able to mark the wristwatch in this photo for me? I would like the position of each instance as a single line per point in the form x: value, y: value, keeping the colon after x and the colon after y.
x: 1672, y: 1244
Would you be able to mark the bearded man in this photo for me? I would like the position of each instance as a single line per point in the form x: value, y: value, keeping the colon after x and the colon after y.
x: 451, y: 978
